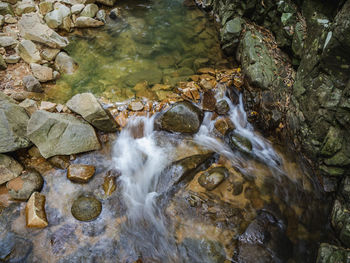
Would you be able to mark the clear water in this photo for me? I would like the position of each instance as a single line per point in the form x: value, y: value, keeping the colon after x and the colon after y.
x: 158, y: 41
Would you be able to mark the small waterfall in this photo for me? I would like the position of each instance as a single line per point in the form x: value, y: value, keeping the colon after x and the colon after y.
x: 141, y: 161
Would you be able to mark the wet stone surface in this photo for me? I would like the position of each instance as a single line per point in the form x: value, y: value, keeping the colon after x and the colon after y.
x: 86, y: 208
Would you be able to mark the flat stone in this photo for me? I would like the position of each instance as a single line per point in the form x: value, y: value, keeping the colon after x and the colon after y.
x: 13, y: 123
x: 42, y: 73
x: 31, y: 28
x: 48, y: 106
x: 61, y: 134
x: 9, y: 168
x: 135, y: 106
x: 28, y: 51
x: 6, y: 41
x: 86, y: 208
x: 83, y: 22
x: 32, y: 84
x: 87, y: 106
x: 80, y: 173
x: 65, y: 64
x: 22, y: 187
x: 49, y: 54
x: 60, y: 161
x: 35, y: 211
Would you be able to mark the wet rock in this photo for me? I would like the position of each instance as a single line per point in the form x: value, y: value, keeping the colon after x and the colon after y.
x: 340, y: 220
x: 115, y: 13
x: 83, y: 22
x: 13, y: 123
x: 230, y: 34
x: 76, y: 9
x: 32, y: 84
x: 35, y: 211
x: 87, y: 106
x: 198, y: 251
x: 89, y: 10
x: 208, y: 100
x: 135, y: 106
x: 65, y: 64
x: 29, y: 105
x: 106, y: 2
x: 238, y: 142
x: 8, y: 42
x: 31, y: 28
x: 9, y: 168
x: 60, y: 134
x: 333, y: 142
x: 222, y: 125
x: 237, y: 188
x: 86, y: 208
x: 264, y: 239
x: 28, y: 51
x: 5, y: 8
x: 182, y: 117
x: 109, y: 184
x: 42, y: 73
x: 22, y: 187
x: 332, y: 254
x: 45, y: 7
x: 222, y: 107
x: 60, y: 161
x: 24, y: 7
x: 80, y: 173
x: 211, y: 178
x: 49, y: 54
x: 101, y: 15
x: 14, y: 248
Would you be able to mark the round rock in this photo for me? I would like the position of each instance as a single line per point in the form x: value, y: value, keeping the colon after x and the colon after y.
x: 212, y: 178
x: 86, y: 208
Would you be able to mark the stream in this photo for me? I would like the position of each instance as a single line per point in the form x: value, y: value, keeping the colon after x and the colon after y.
x: 176, y: 197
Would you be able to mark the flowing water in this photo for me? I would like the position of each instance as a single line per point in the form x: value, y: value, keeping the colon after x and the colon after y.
x: 159, y: 211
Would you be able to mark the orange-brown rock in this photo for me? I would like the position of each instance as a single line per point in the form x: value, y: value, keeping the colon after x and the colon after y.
x: 209, y: 71
x: 80, y: 173
x: 122, y: 118
x: 35, y: 211
x: 109, y: 184
x: 208, y: 101
x: 223, y: 124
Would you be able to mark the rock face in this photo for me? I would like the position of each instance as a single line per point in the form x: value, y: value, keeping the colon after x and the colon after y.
x: 87, y: 106
x: 9, y: 168
x: 60, y: 134
x: 22, y: 187
x: 35, y: 211
x: 80, y: 173
x: 86, y: 208
x: 13, y: 123
x: 32, y: 28
x: 182, y: 117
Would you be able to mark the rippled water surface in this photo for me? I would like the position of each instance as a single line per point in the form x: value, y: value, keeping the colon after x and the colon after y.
x: 159, y: 41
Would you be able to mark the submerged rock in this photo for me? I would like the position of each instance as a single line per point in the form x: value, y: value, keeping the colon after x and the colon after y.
x: 238, y: 142
x: 87, y: 106
x: 86, y: 208
x: 80, y: 173
x: 9, y: 168
x: 65, y: 64
x: 13, y: 123
x: 35, y: 211
x: 22, y: 187
x: 61, y: 134
x: 32, y: 28
x: 182, y: 117
x: 211, y: 178
x: 222, y: 107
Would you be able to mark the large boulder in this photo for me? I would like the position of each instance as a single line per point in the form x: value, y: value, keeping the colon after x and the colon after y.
x: 31, y: 28
x: 9, y: 168
x: 60, y: 134
x: 13, y: 123
x: 87, y: 106
x: 182, y: 117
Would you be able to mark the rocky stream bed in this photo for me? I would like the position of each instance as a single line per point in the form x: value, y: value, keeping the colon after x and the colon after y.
x: 174, y: 131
